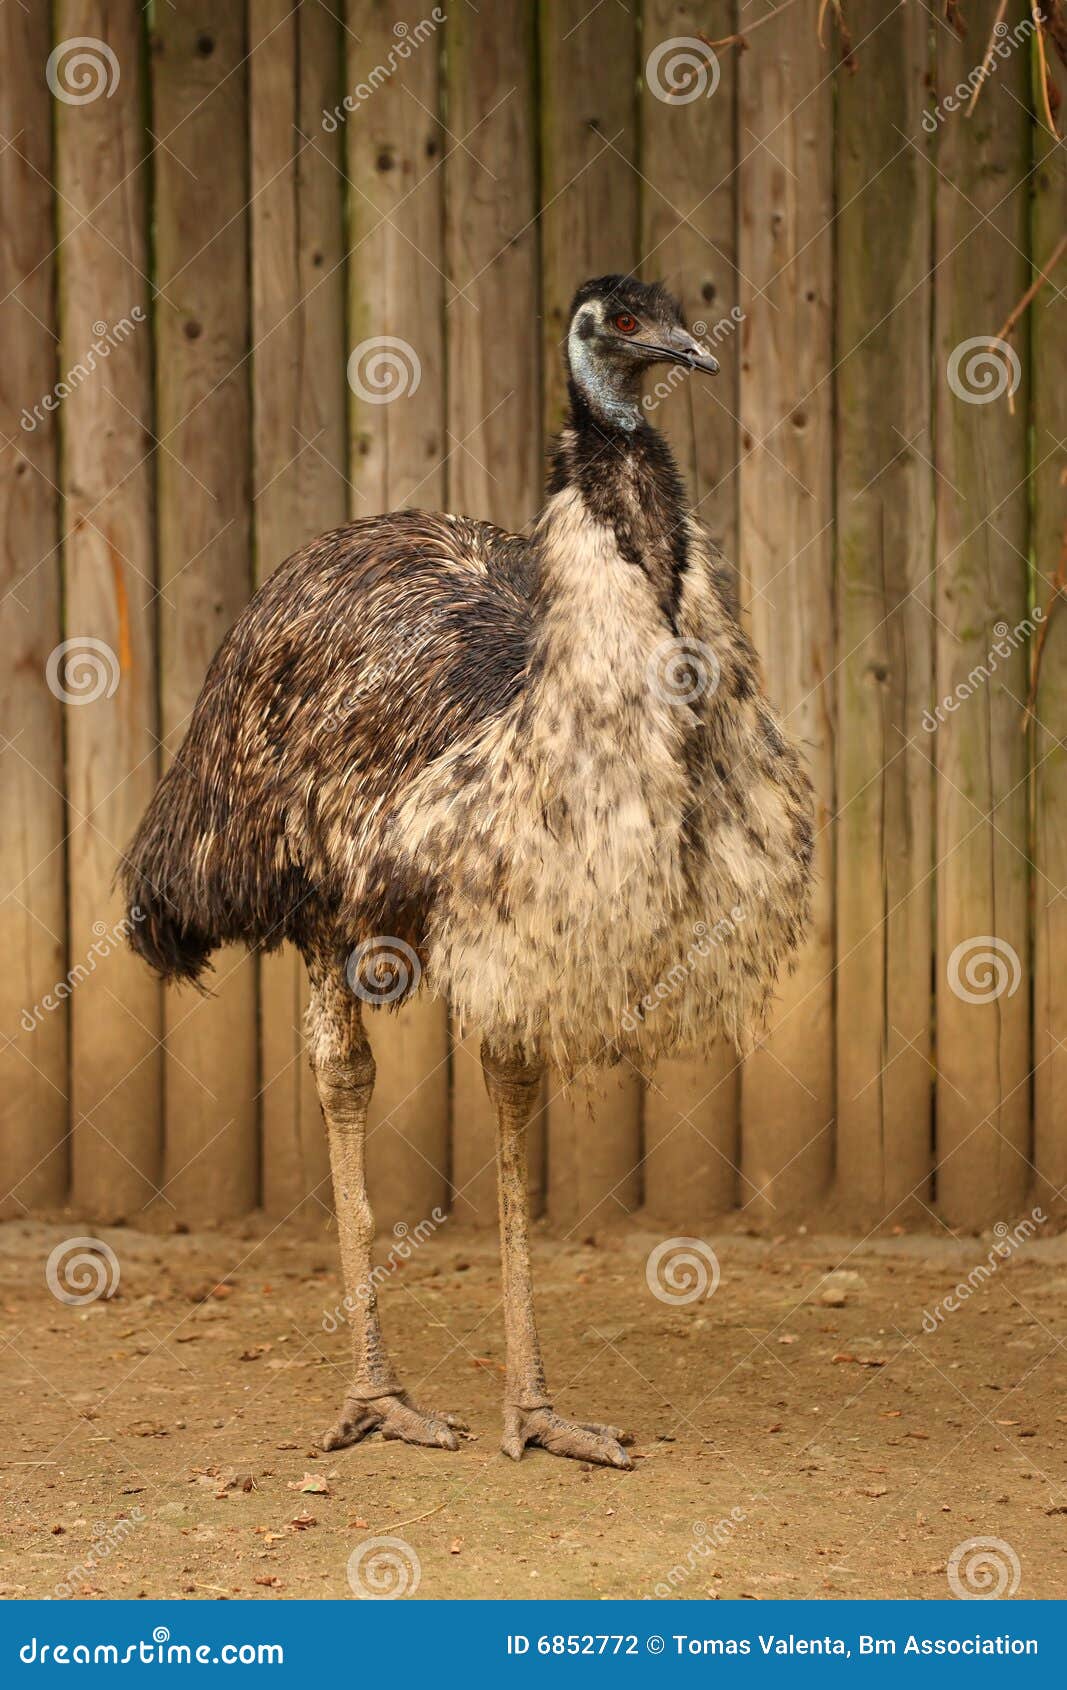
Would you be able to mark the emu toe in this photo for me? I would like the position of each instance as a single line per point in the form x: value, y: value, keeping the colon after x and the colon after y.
x: 393, y: 1417
x: 581, y: 1440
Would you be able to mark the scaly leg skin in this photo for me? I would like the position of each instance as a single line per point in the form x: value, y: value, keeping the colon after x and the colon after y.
x: 344, y: 1075
x: 529, y: 1417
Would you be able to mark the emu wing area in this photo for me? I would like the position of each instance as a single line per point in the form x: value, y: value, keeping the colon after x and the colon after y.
x: 370, y: 652
x: 365, y: 656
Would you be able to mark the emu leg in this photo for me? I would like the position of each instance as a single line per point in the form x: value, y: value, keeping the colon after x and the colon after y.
x: 529, y: 1417
x: 344, y: 1075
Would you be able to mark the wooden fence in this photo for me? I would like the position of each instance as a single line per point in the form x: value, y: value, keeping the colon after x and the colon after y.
x: 227, y: 202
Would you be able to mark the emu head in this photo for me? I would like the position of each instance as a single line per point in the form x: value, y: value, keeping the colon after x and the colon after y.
x: 618, y: 328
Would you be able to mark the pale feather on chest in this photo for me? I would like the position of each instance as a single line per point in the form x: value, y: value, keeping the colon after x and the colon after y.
x: 561, y: 835
x: 585, y: 777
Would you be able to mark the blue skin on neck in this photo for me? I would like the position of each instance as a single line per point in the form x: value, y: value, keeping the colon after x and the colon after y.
x: 610, y: 399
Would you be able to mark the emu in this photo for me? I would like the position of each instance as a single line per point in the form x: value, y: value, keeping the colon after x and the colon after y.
x: 539, y: 776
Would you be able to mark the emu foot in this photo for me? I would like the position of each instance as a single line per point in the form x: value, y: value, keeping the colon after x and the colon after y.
x: 582, y: 1440
x: 394, y: 1417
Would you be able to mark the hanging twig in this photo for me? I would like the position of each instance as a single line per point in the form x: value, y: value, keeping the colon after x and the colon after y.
x: 844, y: 36
x: 987, y: 62
x: 1056, y: 27
x: 1008, y: 325
x: 742, y: 40
x: 954, y: 16
x: 1013, y: 316
x: 1042, y: 67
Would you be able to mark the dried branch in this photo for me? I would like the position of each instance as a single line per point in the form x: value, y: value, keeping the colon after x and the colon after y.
x: 987, y: 62
x: 954, y: 16
x: 1045, y: 79
x: 844, y: 36
x: 1056, y: 27
x: 741, y: 41
x: 1008, y: 325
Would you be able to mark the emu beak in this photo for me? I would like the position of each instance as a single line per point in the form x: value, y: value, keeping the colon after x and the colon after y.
x: 686, y: 350
x: 679, y: 347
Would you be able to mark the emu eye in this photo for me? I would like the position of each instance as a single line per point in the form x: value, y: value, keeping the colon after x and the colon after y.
x: 625, y: 323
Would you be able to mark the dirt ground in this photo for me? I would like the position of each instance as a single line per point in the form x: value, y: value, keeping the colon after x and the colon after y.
x: 797, y: 1434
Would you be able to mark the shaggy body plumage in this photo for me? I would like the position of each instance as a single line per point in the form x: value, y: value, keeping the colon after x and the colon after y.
x: 547, y: 766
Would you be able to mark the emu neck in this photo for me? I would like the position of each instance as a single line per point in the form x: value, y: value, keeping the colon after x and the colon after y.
x: 619, y: 487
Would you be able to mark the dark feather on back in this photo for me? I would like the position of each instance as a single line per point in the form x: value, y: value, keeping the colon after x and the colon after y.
x: 367, y: 654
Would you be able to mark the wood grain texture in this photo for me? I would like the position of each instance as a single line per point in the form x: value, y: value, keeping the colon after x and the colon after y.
x: 200, y: 114
x: 1049, y: 543
x: 983, y: 1032
x: 110, y: 595
x: 785, y: 175
x: 394, y: 153
x: 589, y: 227
x: 484, y: 165
x: 884, y: 502
x: 494, y: 466
x: 689, y: 240
x: 299, y: 457
x: 33, y: 1049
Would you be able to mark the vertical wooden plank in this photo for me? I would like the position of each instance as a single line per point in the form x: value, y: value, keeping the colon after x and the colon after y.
x: 396, y: 289
x: 494, y: 397
x: 1050, y: 734
x: 785, y: 189
x: 109, y: 588
x: 33, y: 1038
x: 300, y: 470
x: 688, y: 238
x: 884, y: 502
x: 589, y: 227
x: 200, y: 114
x: 983, y: 1023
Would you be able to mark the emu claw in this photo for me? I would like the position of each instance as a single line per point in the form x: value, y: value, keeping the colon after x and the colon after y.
x: 583, y: 1440
x: 395, y: 1417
